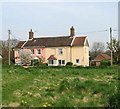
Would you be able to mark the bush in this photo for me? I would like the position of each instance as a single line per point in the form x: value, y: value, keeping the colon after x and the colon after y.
x: 80, y: 67
x: 6, y: 61
x: 44, y: 64
x: 105, y: 63
x: 69, y: 64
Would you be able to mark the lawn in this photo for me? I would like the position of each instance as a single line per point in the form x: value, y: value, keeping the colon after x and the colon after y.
x: 58, y: 86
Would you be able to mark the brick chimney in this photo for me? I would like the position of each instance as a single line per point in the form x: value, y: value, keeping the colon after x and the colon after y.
x: 31, y: 34
x: 72, y: 32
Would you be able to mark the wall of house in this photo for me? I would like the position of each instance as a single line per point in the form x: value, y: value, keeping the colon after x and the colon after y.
x: 54, y: 51
x: 70, y: 54
x: 16, y: 55
x: 81, y: 53
x: 17, y: 60
x: 86, y: 56
x: 97, y: 64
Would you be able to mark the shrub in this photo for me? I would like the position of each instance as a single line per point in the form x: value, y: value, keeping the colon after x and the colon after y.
x: 6, y: 61
x: 80, y: 67
x: 44, y: 64
x: 105, y: 63
x: 36, y: 64
x: 69, y: 63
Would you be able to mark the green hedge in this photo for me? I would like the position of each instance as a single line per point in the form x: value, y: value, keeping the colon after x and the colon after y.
x: 105, y: 63
x: 69, y: 64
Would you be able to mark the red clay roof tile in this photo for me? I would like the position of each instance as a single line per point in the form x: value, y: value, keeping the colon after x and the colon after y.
x: 52, y: 58
x: 102, y: 57
x: 79, y: 41
x: 19, y: 45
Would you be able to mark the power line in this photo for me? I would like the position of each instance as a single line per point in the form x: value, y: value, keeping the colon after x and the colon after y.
x: 15, y: 37
x: 94, y: 31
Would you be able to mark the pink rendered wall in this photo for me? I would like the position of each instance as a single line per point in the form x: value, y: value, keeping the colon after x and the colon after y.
x: 33, y: 55
x: 16, y: 55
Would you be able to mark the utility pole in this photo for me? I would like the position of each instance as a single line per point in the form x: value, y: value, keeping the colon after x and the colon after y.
x: 111, y: 46
x: 9, y: 47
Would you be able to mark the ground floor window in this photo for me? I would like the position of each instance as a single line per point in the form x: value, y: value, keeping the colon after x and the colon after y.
x: 61, y: 62
x: 77, y: 61
x: 51, y: 62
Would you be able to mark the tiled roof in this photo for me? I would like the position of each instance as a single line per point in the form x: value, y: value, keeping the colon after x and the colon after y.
x: 102, y: 57
x: 53, y: 42
x: 19, y: 45
x: 52, y: 58
x: 49, y: 42
x: 79, y: 41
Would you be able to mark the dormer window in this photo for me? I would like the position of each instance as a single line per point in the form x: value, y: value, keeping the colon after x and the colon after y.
x: 60, y: 51
x: 32, y: 51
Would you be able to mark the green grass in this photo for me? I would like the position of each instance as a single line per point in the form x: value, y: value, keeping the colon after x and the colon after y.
x: 58, y: 86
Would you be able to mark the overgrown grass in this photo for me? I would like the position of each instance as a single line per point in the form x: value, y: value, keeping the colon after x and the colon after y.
x: 59, y: 86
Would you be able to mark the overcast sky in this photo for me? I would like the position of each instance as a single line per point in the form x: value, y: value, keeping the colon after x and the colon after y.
x: 55, y: 19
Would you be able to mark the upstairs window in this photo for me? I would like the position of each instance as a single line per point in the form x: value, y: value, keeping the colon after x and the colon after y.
x: 32, y: 51
x: 18, y: 51
x: 77, y: 61
x: 60, y: 51
x: 38, y: 51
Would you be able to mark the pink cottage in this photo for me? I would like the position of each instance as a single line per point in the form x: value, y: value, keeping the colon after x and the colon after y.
x: 36, y: 52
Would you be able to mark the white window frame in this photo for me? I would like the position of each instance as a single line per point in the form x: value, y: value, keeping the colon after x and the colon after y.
x: 76, y: 61
x: 32, y: 52
x: 18, y: 51
x: 54, y: 63
x: 60, y: 51
x: 61, y: 61
x: 38, y: 53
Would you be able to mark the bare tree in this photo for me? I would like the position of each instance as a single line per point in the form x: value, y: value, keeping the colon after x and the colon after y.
x: 115, y: 49
x: 13, y: 43
x: 25, y: 57
x: 97, y: 48
x: 4, y: 44
x: 4, y: 48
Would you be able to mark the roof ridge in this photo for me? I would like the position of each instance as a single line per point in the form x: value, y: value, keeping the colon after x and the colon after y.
x: 102, y: 55
x: 51, y: 37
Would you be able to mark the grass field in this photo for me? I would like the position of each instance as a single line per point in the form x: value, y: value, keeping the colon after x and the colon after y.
x: 58, y: 87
